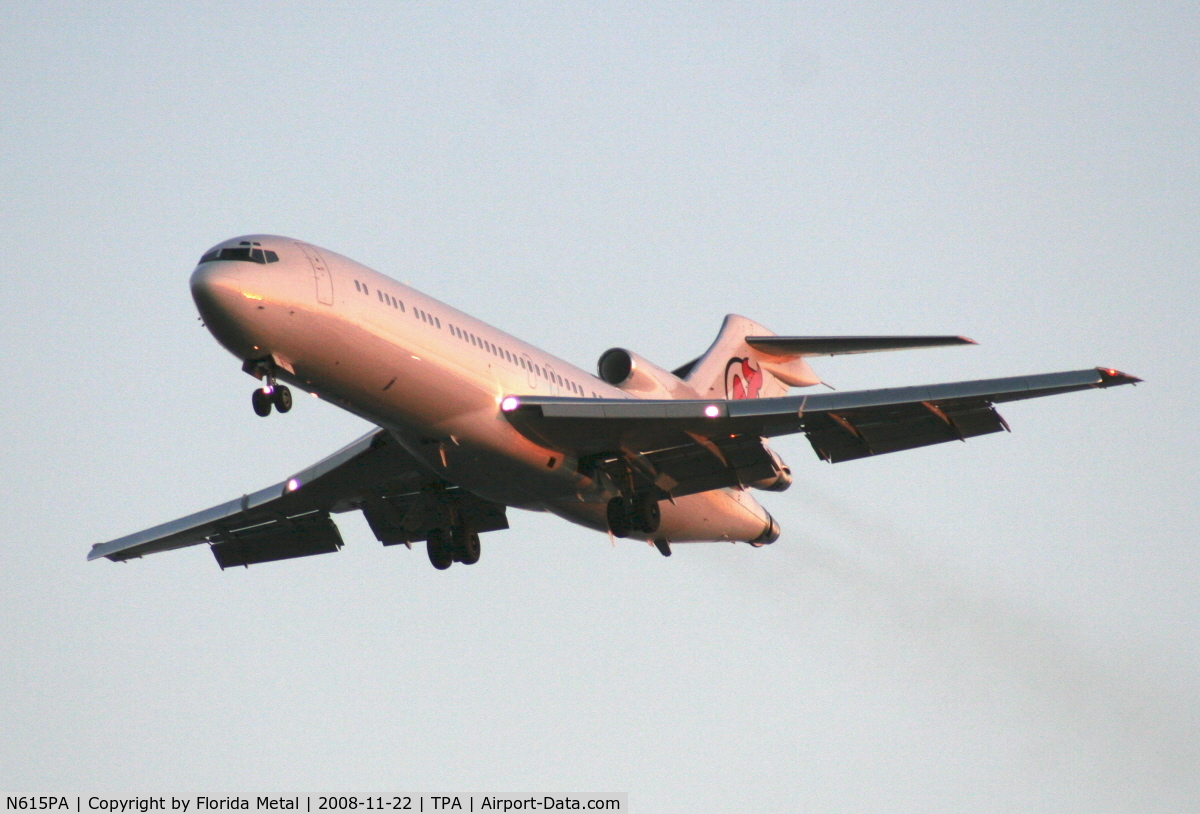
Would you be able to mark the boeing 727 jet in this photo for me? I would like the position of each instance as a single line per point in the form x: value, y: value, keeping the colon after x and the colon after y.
x: 470, y: 421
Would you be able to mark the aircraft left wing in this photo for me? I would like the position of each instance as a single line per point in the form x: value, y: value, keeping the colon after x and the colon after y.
x: 694, y: 439
x: 401, y: 499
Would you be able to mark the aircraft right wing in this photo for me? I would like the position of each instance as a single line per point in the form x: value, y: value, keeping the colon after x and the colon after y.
x: 717, y: 442
x: 401, y: 499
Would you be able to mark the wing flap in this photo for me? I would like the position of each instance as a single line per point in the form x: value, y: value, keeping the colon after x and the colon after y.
x: 721, y: 463
x: 409, y: 518
x: 844, y: 436
x: 302, y: 536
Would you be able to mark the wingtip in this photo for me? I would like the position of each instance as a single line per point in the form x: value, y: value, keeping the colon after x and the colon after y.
x: 1111, y: 376
x: 966, y: 340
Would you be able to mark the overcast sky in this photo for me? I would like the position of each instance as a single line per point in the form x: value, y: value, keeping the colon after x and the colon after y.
x: 1004, y: 625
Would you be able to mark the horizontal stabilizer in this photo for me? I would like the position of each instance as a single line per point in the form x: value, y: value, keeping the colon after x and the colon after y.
x: 835, y: 345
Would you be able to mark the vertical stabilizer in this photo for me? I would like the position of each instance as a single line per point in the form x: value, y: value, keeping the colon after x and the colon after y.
x: 731, y: 369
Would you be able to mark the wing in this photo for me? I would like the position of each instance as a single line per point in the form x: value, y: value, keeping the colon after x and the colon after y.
x: 685, y: 446
x: 402, y: 501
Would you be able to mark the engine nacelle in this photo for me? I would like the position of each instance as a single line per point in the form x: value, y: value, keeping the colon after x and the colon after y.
x: 634, y: 374
x: 778, y: 482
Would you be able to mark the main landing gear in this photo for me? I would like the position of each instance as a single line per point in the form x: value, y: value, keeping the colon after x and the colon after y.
x: 459, y: 544
x: 270, y: 394
x: 639, y: 513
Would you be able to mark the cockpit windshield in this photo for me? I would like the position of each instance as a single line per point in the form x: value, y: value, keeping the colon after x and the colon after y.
x: 245, y: 250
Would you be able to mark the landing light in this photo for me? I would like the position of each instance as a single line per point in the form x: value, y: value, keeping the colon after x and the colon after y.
x: 292, y: 485
x: 712, y: 411
x: 510, y: 403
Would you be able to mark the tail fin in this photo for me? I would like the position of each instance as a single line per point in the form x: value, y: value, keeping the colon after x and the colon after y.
x: 732, y: 369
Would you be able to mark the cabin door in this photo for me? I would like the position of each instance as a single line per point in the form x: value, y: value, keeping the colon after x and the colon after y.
x: 320, y: 273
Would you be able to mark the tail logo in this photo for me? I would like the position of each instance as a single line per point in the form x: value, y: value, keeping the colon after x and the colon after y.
x: 743, y: 379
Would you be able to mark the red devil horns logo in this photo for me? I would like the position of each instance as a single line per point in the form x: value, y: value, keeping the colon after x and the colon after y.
x: 743, y: 379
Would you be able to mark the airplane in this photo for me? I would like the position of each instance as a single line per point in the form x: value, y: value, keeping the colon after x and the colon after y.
x: 471, y: 421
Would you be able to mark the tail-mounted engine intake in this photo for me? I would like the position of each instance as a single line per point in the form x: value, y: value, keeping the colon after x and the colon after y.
x: 634, y: 374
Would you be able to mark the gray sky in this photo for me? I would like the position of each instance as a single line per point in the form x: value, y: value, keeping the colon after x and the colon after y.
x: 1004, y: 625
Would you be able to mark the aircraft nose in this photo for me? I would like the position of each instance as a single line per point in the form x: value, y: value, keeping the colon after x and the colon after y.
x: 213, y: 285
x: 219, y: 290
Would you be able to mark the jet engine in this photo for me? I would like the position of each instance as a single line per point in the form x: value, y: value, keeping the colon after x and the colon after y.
x: 779, y: 481
x: 632, y: 373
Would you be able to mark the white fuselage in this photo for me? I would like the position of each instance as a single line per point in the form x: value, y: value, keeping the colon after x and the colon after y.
x: 433, y: 376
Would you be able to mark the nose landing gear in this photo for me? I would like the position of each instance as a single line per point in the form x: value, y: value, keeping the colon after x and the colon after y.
x: 278, y: 396
x: 261, y: 400
x: 270, y: 394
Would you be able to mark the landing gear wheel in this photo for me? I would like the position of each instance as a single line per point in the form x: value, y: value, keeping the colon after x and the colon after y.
x: 262, y: 402
x: 466, y: 546
x: 619, y: 522
x: 646, y: 513
x: 439, y: 550
x: 282, y: 398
